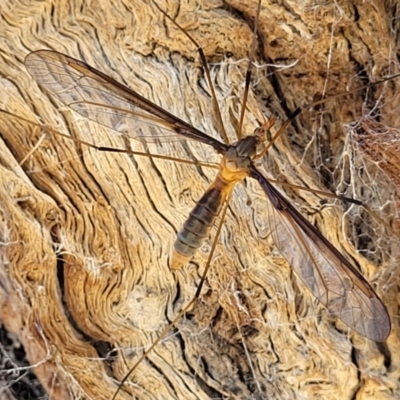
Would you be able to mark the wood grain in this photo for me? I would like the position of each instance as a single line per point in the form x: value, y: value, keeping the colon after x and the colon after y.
x: 86, y: 236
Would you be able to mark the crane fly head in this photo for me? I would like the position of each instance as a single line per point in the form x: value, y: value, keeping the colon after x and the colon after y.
x: 261, y: 131
x: 240, y: 155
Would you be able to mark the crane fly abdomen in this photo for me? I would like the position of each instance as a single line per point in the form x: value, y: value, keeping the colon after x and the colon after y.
x: 198, y: 225
x: 234, y: 168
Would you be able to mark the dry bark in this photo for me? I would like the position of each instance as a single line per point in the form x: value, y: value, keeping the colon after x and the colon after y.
x: 85, y: 236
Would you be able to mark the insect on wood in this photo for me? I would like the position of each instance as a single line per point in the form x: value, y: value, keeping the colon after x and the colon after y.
x: 329, y: 276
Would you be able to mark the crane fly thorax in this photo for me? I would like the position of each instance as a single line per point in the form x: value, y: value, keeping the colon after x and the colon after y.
x: 246, y: 147
x: 238, y: 158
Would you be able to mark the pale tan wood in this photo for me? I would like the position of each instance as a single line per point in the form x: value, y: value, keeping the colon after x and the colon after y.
x: 110, y: 219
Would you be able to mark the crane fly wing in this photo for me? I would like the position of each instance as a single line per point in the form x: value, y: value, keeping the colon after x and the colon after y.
x: 325, y: 271
x: 107, y: 102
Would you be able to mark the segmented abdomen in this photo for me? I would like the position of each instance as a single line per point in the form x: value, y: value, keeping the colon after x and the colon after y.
x: 199, y: 223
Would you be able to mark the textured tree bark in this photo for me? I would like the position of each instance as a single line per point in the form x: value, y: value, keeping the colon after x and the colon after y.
x: 86, y: 235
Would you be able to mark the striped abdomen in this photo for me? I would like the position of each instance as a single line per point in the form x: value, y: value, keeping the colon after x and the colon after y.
x: 199, y: 223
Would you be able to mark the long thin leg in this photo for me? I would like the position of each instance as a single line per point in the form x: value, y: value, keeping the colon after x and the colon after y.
x: 326, y: 194
x: 185, y: 309
x: 248, y: 71
x: 298, y: 110
x: 103, y: 148
x: 207, y: 72
x: 342, y: 198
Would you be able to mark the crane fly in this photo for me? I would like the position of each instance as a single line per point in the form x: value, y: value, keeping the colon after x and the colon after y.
x: 330, y: 277
x: 322, y: 268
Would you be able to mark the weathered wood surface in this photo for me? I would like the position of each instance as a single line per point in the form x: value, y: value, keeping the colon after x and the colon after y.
x: 85, y: 236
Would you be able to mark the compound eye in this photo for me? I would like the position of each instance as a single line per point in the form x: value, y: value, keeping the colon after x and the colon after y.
x: 260, y: 133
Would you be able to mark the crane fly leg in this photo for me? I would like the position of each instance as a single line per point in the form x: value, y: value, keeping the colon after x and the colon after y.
x: 185, y: 309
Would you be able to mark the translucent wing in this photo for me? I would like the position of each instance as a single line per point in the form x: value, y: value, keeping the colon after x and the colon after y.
x: 107, y: 102
x: 325, y: 271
